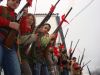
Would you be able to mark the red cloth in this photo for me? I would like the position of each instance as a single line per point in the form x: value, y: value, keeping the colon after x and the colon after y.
x: 61, y: 46
x: 4, y: 21
x: 29, y: 2
x: 52, y: 9
x: 63, y: 18
x: 56, y: 52
x: 76, y: 66
x: 23, y: 26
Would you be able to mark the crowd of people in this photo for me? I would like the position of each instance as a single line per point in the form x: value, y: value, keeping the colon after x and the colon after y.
x: 35, y: 51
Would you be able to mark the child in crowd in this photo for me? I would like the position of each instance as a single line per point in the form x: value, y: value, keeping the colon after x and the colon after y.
x: 39, y: 50
x: 27, y: 22
x: 8, y: 57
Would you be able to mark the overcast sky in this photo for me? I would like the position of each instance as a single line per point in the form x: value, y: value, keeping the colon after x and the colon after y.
x: 85, y: 26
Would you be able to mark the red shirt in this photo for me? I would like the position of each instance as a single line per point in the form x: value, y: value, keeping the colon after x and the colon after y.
x: 4, y: 21
x: 24, y: 27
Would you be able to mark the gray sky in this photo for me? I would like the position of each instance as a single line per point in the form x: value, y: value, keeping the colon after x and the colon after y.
x: 84, y: 27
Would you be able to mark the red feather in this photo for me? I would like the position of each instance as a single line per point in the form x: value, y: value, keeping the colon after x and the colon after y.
x: 52, y: 9
x: 63, y: 18
x: 56, y: 52
x: 29, y: 2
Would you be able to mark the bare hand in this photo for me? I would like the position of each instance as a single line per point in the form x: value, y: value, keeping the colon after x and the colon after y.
x: 52, y: 36
x: 14, y: 25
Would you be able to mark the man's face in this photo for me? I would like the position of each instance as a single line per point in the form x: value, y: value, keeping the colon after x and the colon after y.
x: 13, y: 3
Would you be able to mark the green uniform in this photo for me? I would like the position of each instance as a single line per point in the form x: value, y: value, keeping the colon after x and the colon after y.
x: 25, y: 41
x: 38, y: 50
